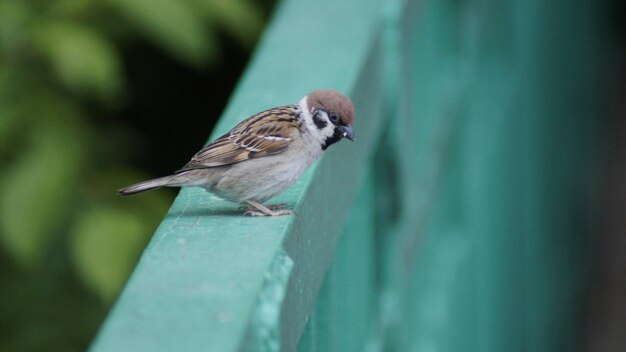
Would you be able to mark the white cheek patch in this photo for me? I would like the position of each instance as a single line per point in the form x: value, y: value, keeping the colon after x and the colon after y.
x: 319, y: 135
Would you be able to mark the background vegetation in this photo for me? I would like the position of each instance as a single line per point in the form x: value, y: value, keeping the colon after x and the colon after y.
x: 95, y: 95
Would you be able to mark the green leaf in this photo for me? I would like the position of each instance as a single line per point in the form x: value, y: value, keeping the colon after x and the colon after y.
x: 9, y: 125
x: 14, y: 15
x: 10, y: 118
x: 36, y: 190
x: 171, y: 24
x: 73, y: 8
x: 105, y: 244
x: 82, y: 58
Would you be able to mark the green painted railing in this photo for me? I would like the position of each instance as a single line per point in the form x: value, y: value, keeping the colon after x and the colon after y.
x: 455, y: 222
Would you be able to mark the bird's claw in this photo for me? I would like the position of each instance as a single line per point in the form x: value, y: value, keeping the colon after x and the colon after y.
x: 256, y: 212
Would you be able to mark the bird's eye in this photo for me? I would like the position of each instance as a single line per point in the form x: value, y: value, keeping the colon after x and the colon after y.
x: 333, y: 117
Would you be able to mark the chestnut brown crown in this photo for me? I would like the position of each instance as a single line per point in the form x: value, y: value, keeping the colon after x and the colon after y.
x: 332, y: 101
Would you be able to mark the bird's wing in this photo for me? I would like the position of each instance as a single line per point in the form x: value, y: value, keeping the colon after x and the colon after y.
x: 266, y: 133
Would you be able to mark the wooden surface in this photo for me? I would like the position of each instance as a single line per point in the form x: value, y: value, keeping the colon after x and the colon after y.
x: 456, y: 221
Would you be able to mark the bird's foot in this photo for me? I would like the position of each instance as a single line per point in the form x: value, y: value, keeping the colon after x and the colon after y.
x: 254, y: 212
x: 269, y: 210
x: 275, y: 206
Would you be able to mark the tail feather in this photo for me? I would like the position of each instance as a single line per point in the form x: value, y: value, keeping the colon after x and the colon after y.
x: 148, y: 185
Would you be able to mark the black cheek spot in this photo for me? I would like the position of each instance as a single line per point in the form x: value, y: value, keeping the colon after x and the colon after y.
x: 319, y: 122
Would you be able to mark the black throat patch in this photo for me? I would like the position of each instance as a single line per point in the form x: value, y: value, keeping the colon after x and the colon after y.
x: 336, y: 137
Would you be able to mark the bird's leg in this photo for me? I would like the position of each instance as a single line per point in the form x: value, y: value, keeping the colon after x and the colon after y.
x: 262, y: 210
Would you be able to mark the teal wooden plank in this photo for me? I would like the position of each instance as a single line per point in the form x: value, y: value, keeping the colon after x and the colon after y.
x: 314, y: 246
x: 560, y: 116
x: 213, y: 280
x: 438, y: 260
x: 497, y: 115
x: 494, y: 194
x: 345, y: 315
x: 191, y: 280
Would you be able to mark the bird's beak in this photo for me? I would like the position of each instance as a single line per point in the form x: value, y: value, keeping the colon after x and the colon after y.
x: 347, y: 132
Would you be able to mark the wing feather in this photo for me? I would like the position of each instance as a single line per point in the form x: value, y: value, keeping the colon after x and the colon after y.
x: 266, y: 133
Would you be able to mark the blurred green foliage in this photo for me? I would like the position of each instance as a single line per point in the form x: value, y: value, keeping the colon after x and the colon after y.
x: 67, y: 241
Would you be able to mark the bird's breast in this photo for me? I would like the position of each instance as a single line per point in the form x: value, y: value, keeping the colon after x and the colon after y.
x: 263, y: 178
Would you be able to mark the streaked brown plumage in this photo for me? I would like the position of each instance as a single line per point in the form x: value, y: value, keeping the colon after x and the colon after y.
x: 266, y: 153
x: 266, y: 133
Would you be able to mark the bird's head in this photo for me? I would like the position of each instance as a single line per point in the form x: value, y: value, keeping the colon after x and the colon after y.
x: 331, y: 116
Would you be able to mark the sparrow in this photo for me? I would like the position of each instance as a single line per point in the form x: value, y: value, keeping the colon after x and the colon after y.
x: 264, y: 154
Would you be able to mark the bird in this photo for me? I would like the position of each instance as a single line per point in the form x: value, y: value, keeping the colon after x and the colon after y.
x: 264, y: 154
